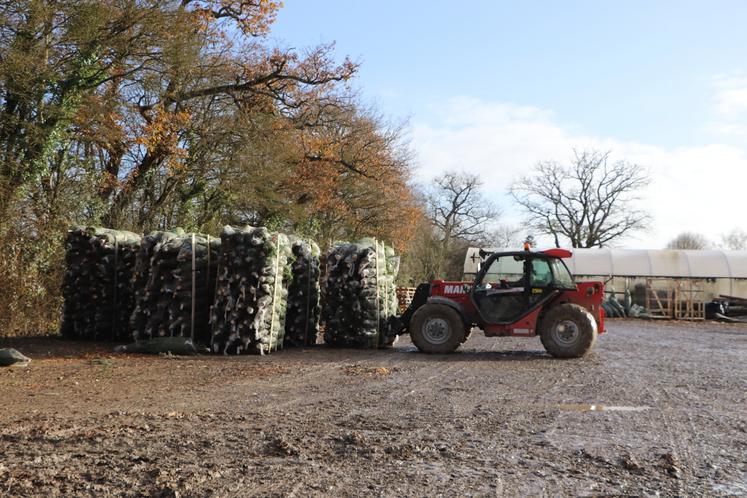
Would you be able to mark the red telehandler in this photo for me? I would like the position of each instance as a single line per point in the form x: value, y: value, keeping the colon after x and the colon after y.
x: 519, y: 293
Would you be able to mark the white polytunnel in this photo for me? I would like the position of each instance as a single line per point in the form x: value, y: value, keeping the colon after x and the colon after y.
x: 642, y: 263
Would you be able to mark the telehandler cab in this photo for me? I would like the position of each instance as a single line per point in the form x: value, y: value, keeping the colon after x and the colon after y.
x: 520, y: 293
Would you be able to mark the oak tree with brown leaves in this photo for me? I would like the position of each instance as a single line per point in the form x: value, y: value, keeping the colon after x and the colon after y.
x: 147, y: 115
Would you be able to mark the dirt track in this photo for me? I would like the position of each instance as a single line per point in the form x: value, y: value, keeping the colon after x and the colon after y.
x: 498, y: 418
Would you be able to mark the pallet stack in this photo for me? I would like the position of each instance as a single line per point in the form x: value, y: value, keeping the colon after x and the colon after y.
x: 97, y: 286
x: 175, y: 279
x: 145, y: 294
x: 360, y: 295
x: 302, y: 314
x: 248, y: 315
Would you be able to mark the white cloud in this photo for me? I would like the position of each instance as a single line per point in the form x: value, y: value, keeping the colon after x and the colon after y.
x: 730, y: 96
x: 727, y: 129
x: 699, y: 188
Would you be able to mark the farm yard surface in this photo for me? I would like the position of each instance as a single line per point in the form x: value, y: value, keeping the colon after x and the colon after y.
x: 657, y: 409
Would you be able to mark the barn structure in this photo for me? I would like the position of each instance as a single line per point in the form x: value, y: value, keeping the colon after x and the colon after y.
x: 671, y: 284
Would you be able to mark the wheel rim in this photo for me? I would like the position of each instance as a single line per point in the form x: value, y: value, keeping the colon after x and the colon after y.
x: 436, y: 330
x: 565, y: 332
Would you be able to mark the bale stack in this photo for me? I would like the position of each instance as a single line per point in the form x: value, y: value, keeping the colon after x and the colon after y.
x: 302, y: 315
x: 97, y: 287
x: 180, y: 286
x: 360, y: 295
x: 248, y: 315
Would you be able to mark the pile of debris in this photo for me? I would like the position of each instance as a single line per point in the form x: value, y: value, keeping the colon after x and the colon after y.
x: 727, y: 309
x: 97, y: 286
x: 12, y: 357
x: 360, y: 295
x: 174, y: 279
x: 248, y: 314
x: 304, y: 309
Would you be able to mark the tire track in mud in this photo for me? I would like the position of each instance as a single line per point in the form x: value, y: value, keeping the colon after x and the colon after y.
x: 670, y: 417
x: 647, y: 421
x: 641, y: 373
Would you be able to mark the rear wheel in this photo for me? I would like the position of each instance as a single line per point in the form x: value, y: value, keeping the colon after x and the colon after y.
x: 568, y: 331
x: 436, y: 328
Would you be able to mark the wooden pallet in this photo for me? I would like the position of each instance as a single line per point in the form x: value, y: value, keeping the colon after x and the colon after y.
x: 678, y: 299
x: 658, y: 302
x: 404, y: 297
x: 689, y: 300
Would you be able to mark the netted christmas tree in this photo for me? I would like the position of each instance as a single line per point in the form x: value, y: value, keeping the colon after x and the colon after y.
x: 248, y: 315
x: 175, y: 281
x: 303, y: 312
x: 97, y: 286
x: 360, y: 298
x: 145, y: 294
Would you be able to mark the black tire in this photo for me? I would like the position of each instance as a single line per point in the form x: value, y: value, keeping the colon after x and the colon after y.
x: 437, y: 328
x: 568, y: 331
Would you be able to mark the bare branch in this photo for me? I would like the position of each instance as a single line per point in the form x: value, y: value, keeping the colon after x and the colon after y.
x: 591, y: 202
x: 457, y: 208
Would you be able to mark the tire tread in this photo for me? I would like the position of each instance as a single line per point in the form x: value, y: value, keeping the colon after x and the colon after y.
x: 450, y: 315
x: 585, y: 321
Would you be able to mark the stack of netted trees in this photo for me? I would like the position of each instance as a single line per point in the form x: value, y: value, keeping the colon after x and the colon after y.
x: 263, y: 287
x: 360, y: 295
x: 175, y: 283
x: 302, y: 314
x: 141, y: 276
x: 248, y: 315
x: 97, y: 286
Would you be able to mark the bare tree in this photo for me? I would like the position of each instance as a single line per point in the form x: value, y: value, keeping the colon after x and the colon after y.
x: 459, y: 212
x: 505, y: 236
x: 736, y: 240
x: 591, y: 201
x: 689, y: 241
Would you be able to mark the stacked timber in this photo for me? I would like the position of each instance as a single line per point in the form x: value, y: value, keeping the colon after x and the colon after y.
x: 302, y: 314
x: 248, y: 315
x: 360, y: 295
x: 175, y: 278
x: 97, y: 286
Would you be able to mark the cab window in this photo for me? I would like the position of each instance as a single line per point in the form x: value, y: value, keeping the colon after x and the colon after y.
x: 508, y: 269
x: 541, y: 275
x: 562, y: 276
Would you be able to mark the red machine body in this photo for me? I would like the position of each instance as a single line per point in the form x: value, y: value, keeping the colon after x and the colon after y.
x: 588, y: 295
x: 516, y: 293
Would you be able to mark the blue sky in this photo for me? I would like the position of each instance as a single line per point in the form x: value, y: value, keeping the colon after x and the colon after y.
x: 496, y: 86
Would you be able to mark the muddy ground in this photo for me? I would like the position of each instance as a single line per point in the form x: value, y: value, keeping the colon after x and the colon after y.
x: 498, y: 418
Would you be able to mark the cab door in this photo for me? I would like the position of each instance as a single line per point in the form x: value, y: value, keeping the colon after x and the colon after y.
x: 501, y: 293
x: 541, y: 280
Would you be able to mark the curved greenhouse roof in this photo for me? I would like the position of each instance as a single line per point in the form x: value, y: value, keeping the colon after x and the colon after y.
x: 645, y: 263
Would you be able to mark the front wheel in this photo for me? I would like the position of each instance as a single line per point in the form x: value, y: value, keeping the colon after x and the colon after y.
x: 437, y: 328
x: 568, y: 331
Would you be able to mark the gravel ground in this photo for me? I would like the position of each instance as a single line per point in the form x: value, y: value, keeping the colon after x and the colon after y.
x: 658, y: 409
